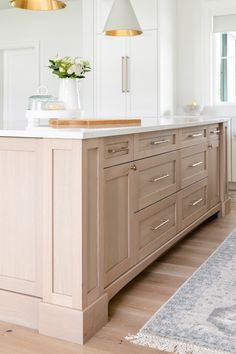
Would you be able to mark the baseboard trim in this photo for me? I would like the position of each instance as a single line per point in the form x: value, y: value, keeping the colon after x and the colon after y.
x: 73, y: 325
x: 19, y: 309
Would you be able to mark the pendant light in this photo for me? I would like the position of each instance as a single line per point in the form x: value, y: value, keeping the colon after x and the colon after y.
x: 122, y: 20
x: 38, y: 5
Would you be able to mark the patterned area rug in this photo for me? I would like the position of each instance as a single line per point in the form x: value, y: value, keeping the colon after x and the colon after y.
x: 201, y: 316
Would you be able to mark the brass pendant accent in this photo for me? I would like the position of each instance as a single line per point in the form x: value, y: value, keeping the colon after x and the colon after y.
x: 38, y: 5
x: 122, y: 33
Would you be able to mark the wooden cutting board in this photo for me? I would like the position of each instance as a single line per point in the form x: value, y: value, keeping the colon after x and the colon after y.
x: 93, y: 123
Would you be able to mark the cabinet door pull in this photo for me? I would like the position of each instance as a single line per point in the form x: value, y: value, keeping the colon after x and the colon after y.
x: 159, y: 142
x: 128, y: 74
x: 133, y: 167
x: 210, y: 146
x: 196, y: 164
x: 197, y: 202
x: 114, y: 151
x: 215, y: 132
x: 159, y: 178
x: 163, y: 223
x: 123, y: 74
x: 197, y: 135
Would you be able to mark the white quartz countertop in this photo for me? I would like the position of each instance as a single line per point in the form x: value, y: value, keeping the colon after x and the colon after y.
x: 18, y: 129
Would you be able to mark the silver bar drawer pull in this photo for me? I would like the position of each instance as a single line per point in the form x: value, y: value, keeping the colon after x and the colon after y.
x: 197, y: 135
x: 196, y: 164
x: 215, y: 131
x: 159, y: 178
x: 159, y: 142
x: 163, y: 223
x: 197, y: 202
x: 123, y: 74
x: 114, y: 151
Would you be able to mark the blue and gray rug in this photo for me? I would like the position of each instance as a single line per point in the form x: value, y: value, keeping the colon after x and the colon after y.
x: 201, y: 316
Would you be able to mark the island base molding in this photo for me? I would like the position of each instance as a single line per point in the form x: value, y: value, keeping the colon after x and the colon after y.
x: 70, y: 324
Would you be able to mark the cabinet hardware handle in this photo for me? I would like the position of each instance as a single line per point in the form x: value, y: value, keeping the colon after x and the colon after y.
x: 127, y: 74
x: 123, y: 73
x: 159, y: 178
x: 210, y: 146
x: 215, y: 132
x: 197, y: 135
x: 159, y: 142
x: 197, y: 202
x: 133, y: 167
x: 163, y: 223
x: 114, y: 151
x: 196, y: 164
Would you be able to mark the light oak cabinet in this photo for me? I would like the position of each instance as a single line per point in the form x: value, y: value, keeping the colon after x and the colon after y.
x: 213, y: 167
x: 118, y: 213
x: 80, y: 218
x: 171, y: 181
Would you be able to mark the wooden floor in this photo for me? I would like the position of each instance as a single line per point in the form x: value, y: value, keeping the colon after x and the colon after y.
x: 136, y: 303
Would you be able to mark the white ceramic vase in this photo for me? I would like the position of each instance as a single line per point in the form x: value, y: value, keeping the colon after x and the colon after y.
x: 69, y: 94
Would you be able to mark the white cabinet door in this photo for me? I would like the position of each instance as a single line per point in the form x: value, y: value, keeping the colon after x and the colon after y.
x: 111, y: 100
x: 142, y: 75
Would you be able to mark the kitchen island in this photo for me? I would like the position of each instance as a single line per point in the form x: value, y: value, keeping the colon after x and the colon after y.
x: 84, y: 211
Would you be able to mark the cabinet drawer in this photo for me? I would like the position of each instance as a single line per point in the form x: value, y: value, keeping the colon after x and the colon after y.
x: 118, y: 150
x: 213, y: 131
x: 154, y: 226
x: 193, y: 203
x: 193, y: 136
x: 193, y: 164
x: 155, y: 178
x: 149, y: 144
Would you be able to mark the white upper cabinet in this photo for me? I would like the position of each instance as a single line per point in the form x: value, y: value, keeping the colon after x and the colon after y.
x: 146, y: 11
x: 143, y: 72
x: 127, y: 67
x: 111, y: 99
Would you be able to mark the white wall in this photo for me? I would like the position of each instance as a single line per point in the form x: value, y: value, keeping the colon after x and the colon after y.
x: 58, y: 32
x: 194, y: 64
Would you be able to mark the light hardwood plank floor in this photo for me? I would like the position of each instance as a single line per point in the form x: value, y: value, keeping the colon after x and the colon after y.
x: 136, y: 303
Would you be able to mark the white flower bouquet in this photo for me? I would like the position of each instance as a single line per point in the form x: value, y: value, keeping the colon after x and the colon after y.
x: 69, y: 68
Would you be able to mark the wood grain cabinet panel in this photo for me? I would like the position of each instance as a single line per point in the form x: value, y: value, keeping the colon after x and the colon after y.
x: 155, y: 178
x: 193, y: 203
x: 193, y: 136
x: 154, y: 226
x: 154, y: 143
x: 118, y: 150
x: 194, y: 164
x: 118, y: 211
x: 213, y: 172
x: 20, y: 215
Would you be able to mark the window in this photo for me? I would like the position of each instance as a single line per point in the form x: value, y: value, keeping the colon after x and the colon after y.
x: 225, y: 67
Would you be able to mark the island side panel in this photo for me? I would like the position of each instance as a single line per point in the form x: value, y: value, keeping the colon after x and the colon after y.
x: 20, y: 215
x: 73, y: 291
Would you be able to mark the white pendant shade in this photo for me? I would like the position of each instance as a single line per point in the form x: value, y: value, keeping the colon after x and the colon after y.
x: 122, y: 20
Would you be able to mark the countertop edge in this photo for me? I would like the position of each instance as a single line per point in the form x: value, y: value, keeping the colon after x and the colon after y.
x: 81, y: 134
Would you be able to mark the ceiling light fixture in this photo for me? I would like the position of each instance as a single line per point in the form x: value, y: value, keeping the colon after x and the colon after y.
x: 38, y: 5
x: 122, y: 20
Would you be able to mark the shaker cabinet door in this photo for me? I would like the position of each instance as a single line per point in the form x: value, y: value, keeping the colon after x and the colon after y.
x: 111, y: 77
x: 213, y: 173
x: 118, y: 211
x: 142, y: 72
